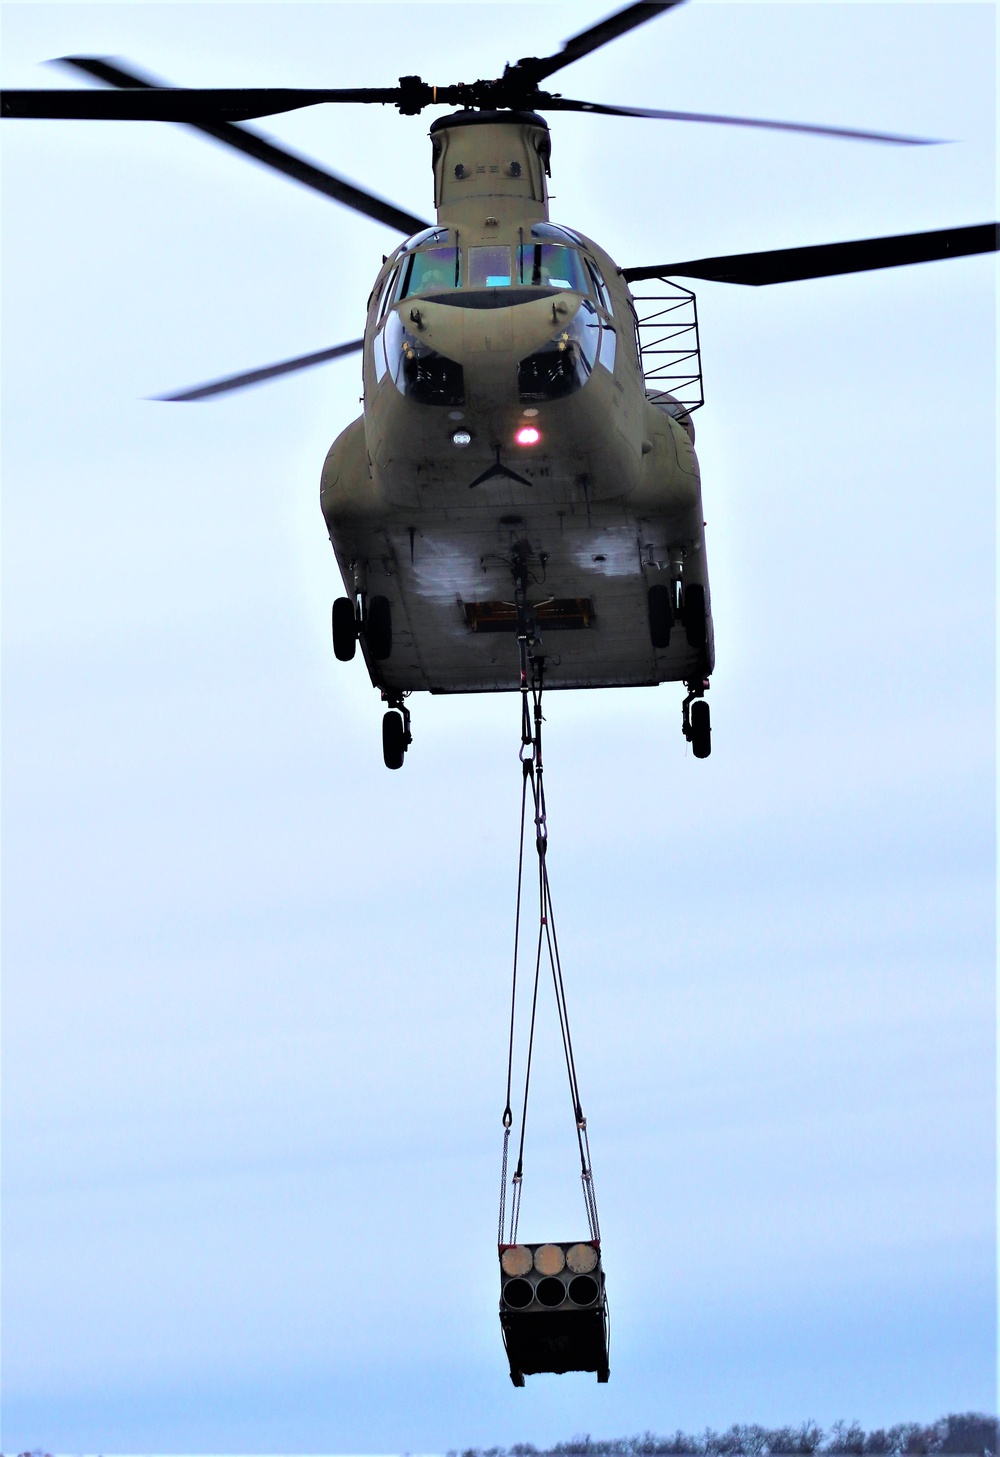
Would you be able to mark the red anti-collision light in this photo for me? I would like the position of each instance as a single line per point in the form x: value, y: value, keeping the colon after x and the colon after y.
x: 528, y: 435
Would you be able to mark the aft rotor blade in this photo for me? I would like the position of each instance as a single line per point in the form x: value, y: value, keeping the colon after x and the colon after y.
x: 254, y: 145
x: 178, y: 103
x: 788, y: 265
x: 258, y: 376
x: 564, y: 103
x: 595, y: 36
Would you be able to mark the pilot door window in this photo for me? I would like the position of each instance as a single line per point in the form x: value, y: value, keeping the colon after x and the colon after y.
x: 600, y: 287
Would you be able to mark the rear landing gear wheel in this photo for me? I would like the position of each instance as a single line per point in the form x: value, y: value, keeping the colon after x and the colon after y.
x: 661, y: 615
x: 345, y: 629
x: 378, y: 627
x: 393, y: 739
x: 701, y: 729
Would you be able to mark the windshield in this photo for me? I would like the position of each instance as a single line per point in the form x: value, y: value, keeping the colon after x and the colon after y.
x: 552, y: 264
x: 430, y: 271
x: 489, y: 267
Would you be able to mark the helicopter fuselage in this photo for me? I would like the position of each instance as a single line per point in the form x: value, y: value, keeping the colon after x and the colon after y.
x: 507, y: 421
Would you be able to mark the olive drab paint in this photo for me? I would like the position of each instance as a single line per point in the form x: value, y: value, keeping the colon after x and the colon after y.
x: 430, y: 493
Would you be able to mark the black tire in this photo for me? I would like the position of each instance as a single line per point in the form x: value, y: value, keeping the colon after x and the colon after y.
x: 701, y: 729
x: 393, y: 739
x: 695, y: 616
x: 661, y: 615
x: 378, y: 627
x: 345, y: 629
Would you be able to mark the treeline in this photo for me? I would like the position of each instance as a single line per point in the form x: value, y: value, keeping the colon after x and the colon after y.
x: 971, y: 1434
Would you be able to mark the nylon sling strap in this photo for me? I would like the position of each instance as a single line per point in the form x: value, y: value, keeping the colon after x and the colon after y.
x: 546, y: 942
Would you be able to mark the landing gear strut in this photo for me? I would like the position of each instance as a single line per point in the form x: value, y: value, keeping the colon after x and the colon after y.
x: 696, y: 718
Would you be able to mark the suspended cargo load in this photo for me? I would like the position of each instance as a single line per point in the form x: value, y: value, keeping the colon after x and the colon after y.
x: 553, y: 1309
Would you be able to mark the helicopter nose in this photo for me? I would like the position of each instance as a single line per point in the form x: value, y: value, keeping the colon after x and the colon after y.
x: 477, y: 337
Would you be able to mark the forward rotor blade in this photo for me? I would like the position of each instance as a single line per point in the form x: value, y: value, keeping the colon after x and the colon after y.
x: 826, y: 260
x: 563, y: 103
x: 254, y: 145
x: 258, y: 376
x: 596, y: 36
x: 177, y: 103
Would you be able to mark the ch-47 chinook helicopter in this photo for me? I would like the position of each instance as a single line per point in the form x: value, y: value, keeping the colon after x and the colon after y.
x: 513, y: 472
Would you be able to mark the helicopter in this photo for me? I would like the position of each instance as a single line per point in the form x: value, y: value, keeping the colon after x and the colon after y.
x: 516, y: 471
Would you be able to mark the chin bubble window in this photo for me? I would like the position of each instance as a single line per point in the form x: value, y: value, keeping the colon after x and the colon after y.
x: 418, y: 371
x: 566, y: 361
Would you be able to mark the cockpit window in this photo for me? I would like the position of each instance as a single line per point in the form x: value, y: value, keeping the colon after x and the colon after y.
x: 600, y: 286
x: 388, y: 288
x: 566, y: 361
x: 553, y: 265
x: 489, y: 267
x: 429, y: 235
x: 549, y: 233
x: 429, y: 271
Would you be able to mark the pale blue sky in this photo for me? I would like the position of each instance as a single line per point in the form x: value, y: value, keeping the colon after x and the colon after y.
x: 255, y: 985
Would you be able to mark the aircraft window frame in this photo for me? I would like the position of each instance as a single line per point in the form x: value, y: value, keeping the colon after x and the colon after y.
x: 428, y: 236
x: 553, y: 233
x: 575, y: 261
x: 408, y: 266
x: 479, y: 254
x: 602, y: 292
x: 378, y: 356
x: 388, y: 288
x: 419, y: 372
x: 566, y: 361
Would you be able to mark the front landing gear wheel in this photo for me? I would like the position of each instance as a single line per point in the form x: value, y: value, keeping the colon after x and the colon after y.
x: 393, y: 739
x: 701, y: 729
x: 696, y: 720
x: 345, y: 629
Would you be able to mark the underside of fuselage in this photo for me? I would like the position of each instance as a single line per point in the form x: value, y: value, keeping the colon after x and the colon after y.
x: 454, y: 623
x: 446, y: 562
